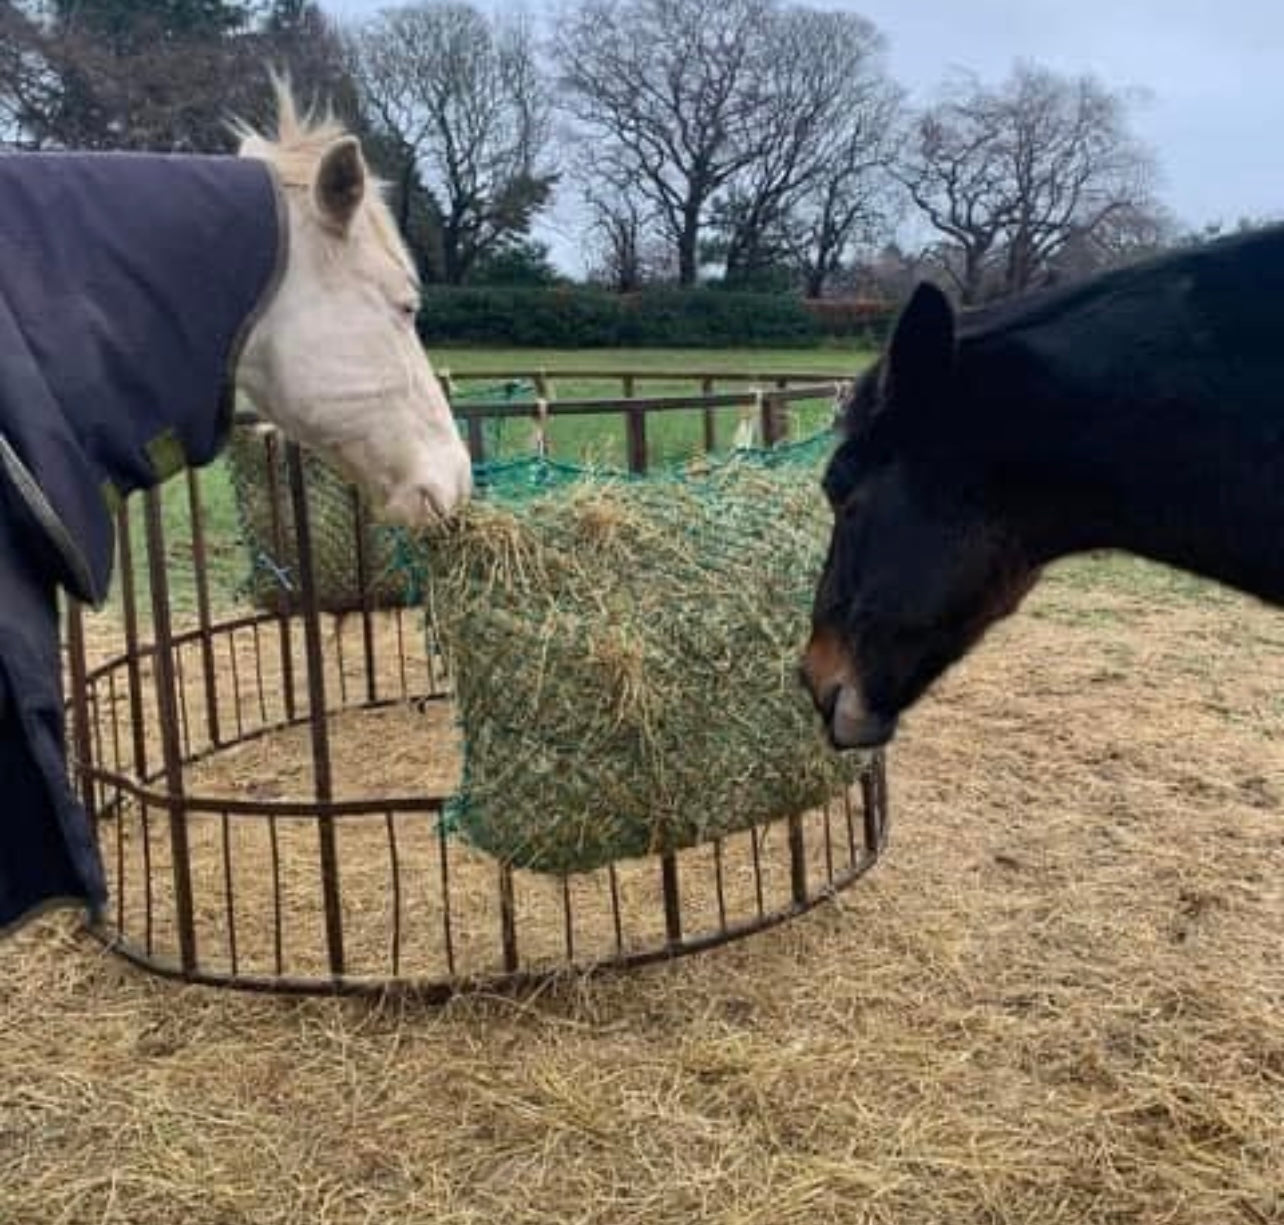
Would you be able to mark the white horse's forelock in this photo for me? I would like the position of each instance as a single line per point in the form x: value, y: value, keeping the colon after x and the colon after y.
x: 300, y: 140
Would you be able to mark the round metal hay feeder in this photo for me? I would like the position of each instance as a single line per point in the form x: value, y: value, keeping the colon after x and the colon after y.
x: 268, y: 785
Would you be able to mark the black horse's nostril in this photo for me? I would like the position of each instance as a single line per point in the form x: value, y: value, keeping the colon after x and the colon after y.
x: 824, y: 700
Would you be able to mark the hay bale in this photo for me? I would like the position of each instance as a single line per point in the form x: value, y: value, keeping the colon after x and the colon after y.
x: 266, y: 512
x: 624, y: 654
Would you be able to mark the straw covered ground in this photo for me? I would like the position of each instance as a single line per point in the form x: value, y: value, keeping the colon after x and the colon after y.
x: 1060, y: 998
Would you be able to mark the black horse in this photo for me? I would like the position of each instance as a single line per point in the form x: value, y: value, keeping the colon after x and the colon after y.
x: 1142, y: 411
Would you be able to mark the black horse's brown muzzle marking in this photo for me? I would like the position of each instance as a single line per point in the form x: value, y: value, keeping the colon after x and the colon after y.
x: 824, y: 669
x: 827, y: 672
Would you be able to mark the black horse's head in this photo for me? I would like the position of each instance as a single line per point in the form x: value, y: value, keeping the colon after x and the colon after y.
x: 920, y: 563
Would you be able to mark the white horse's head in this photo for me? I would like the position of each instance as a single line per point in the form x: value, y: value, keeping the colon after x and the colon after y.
x: 334, y: 359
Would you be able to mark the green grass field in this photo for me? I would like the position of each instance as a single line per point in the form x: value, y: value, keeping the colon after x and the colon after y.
x: 672, y: 437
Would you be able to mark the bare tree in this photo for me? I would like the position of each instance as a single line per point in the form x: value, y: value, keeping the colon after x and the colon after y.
x: 1075, y: 167
x: 464, y: 102
x: 1011, y: 174
x: 851, y: 199
x: 953, y: 170
x: 619, y: 222
x: 850, y: 205
x: 821, y: 137
x: 1126, y: 235
x: 669, y: 91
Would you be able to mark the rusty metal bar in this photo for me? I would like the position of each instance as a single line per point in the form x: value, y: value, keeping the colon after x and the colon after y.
x: 617, y: 921
x: 797, y: 859
x: 271, y: 446
x: 401, y: 652
x: 341, y: 666
x: 437, y: 991
x: 363, y: 586
x: 850, y: 817
x: 260, y: 687
x: 120, y: 875
x: 757, y: 872
x: 278, y: 926
x: 196, y: 510
x: 672, y: 897
x: 782, y: 429
x: 829, y: 841
x: 568, y: 922
x: 113, y: 704
x: 234, y: 668
x: 184, y: 719
x: 719, y: 884
x: 876, y: 813
x: 507, y: 917
x: 869, y: 797
x: 167, y: 714
x: 323, y: 785
x: 448, y: 936
x: 129, y: 607
x: 149, y: 896
x: 229, y: 892
x: 80, y: 721
x: 394, y: 864
x: 96, y: 739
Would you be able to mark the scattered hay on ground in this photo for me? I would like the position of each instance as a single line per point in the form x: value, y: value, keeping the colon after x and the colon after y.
x: 1059, y: 999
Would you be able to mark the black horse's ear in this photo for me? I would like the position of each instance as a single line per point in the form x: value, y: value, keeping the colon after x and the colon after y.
x: 920, y: 358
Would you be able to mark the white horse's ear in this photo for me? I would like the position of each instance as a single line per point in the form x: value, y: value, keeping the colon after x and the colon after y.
x: 340, y: 183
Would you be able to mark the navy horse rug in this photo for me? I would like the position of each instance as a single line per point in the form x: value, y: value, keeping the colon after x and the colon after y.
x: 128, y: 284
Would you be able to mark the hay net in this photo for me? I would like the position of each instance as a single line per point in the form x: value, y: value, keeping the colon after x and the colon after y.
x: 623, y: 649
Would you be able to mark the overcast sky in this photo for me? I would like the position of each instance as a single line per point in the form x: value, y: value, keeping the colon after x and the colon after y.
x: 1211, y: 72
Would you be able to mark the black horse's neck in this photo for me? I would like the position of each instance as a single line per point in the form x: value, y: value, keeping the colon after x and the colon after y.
x: 1205, y: 498
x: 1144, y: 413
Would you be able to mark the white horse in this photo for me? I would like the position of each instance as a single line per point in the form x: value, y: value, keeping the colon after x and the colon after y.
x: 334, y: 359
x: 135, y: 292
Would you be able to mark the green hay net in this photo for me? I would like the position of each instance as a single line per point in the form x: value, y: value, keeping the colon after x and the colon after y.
x: 338, y: 518
x: 624, y: 652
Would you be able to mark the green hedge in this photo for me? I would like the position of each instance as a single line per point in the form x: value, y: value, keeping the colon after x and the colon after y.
x: 572, y: 317
x: 866, y: 319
